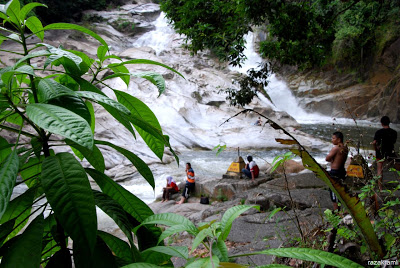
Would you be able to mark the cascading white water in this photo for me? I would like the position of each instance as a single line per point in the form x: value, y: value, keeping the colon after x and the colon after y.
x: 159, y: 38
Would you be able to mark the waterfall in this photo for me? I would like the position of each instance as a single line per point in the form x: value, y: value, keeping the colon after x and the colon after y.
x: 158, y: 39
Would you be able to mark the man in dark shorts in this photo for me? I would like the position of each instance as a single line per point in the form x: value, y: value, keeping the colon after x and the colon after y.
x: 337, y: 156
x: 384, y: 141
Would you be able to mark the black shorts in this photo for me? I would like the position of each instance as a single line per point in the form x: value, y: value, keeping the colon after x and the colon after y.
x: 336, y: 174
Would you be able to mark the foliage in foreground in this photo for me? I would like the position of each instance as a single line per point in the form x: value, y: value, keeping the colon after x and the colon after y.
x: 46, y: 111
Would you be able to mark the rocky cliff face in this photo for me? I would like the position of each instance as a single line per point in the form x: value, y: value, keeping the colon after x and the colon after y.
x: 337, y: 94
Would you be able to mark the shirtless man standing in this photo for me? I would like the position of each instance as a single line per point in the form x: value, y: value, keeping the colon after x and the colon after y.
x: 337, y: 156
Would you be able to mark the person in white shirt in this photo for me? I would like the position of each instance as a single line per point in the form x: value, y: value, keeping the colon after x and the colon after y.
x: 251, y: 171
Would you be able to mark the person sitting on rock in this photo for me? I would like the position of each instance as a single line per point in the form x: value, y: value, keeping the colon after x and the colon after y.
x: 171, y: 188
x: 251, y: 171
x: 190, y: 183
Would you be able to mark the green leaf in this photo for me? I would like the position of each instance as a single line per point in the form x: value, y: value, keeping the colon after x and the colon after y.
x: 130, y: 203
x: 273, y: 266
x: 25, y: 69
x: 87, y: 86
x: 101, y: 99
x: 31, y: 169
x: 205, y: 263
x: 5, y: 229
x: 8, y: 176
x: 142, y: 265
x: 36, y: 27
x: 101, y: 52
x: 89, y: 105
x: 36, y: 146
x: 12, y: 9
x: 95, y: 157
x: 229, y: 216
x: 145, y: 61
x: 68, y: 191
x: 140, y: 165
x: 58, y: 54
x: 27, y: 8
x: 200, y: 237
x: 61, y: 121
x: 26, y: 250
x: 220, y: 250
x: 102, y: 255
x: 61, y: 259
x: 171, y: 219
x: 19, y: 209
x: 115, y: 211
x: 5, y: 149
x: 73, y: 104
x: 154, y: 78
x: 181, y: 252
x: 120, y: 70
x: 68, y: 26
x: 172, y: 230
x: 142, y: 111
x: 313, y: 255
x: 120, y: 117
x: 119, y: 247
x: 50, y: 89
x: 35, y: 54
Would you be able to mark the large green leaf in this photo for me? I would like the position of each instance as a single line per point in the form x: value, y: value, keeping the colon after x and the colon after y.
x: 219, y: 249
x: 129, y: 202
x: 200, y: 237
x: 308, y: 254
x: 115, y: 211
x: 12, y: 9
x: 8, y: 176
x: 58, y: 54
x: 154, y: 78
x: 101, y: 99
x: 141, y: 110
x: 119, y: 247
x: 68, y: 26
x: 75, y: 105
x: 205, y: 263
x: 178, y: 251
x: 349, y: 201
x: 145, y: 61
x: 27, y: 8
x: 50, y: 89
x: 140, y: 165
x: 68, y: 191
x: 34, y: 54
x: 171, y: 219
x: 95, y: 157
x: 90, y: 108
x: 26, y: 250
x: 229, y: 216
x: 61, y: 121
x: 36, y: 27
